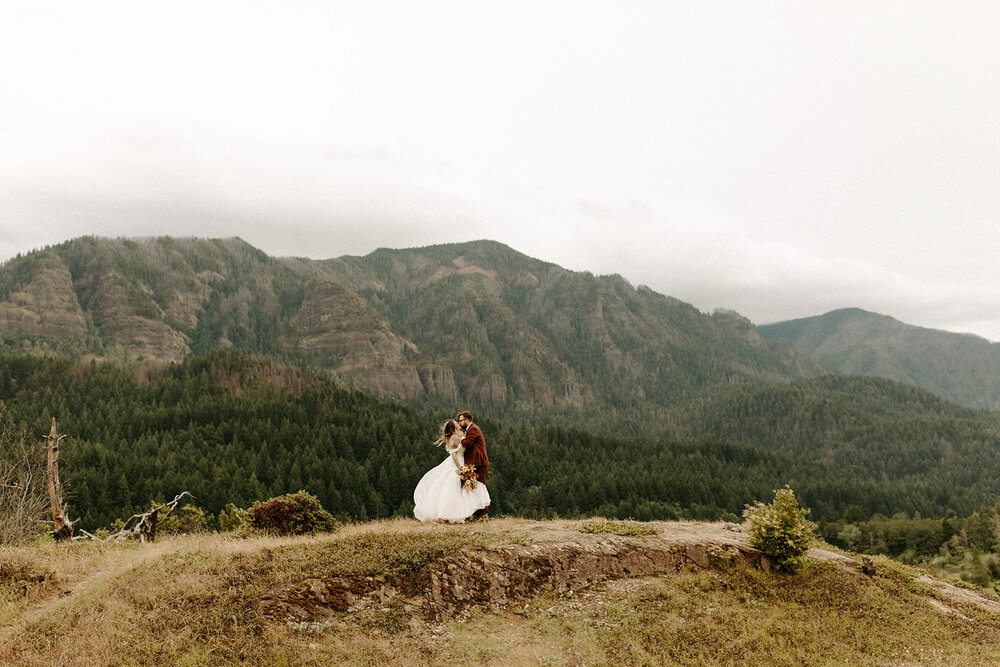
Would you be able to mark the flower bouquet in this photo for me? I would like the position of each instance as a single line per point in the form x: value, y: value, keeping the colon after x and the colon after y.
x: 467, y: 474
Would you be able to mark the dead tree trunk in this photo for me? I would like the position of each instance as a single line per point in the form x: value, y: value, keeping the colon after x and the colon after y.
x: 62, y: 527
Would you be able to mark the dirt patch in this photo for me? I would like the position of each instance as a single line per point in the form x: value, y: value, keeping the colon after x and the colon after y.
x: 956, y: 594
x: 948, y: 594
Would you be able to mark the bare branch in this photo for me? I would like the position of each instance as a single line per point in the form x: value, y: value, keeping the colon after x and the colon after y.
x: 22, y: 502
x: 144, y: 525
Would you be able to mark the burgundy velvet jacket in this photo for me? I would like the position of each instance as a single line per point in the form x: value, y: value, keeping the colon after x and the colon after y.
x: 475, y: 451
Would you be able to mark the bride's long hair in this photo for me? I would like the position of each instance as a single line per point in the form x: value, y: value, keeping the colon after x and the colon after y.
x: 448, y: 429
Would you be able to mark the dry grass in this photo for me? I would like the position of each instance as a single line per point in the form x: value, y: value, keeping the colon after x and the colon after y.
x: 190, y: 600
x: 195, y: 601
x: 615, y: 527
x: 821, y: 616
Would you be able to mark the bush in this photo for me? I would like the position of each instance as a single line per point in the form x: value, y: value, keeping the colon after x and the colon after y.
x: 781, y: 529
x: 292, y: 514
x: 233, y: 518
x: 185, y: 520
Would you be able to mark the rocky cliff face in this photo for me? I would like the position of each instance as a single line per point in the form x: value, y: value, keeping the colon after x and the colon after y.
x: 47, y: 306
x: 439, y: 380
x: 521, y: 332
x: 144, y: 335
x: 338, y: 330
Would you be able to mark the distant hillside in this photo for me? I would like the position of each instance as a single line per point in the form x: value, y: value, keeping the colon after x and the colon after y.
x: 229, y: 427
x: 961, y: 368
x: 145, y: 300
x: 475, y: 324
x: 233, y: 428
x: 867, y: 429
x: 528, y: 335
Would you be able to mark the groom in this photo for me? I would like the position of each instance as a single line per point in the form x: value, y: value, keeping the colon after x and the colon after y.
x: 475, y: 452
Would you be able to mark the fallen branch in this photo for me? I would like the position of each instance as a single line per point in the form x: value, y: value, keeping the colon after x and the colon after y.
x: 142, y: 526
x: 146, y: 523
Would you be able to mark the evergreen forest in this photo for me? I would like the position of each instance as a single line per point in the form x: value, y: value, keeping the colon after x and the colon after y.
x: 235, y: 428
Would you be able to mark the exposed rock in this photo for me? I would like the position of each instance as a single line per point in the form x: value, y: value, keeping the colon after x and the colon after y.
x: 388, y: 375
x: 336, y: 327
x: 334, y: 322
x: 497, y: 577
x: 959, y: 595
x: 47, y: 306
x: 488, y: 278
x: 185, y: 307
x: 439, y: 380
x: 491, y: 389
x: 131, y: 319
x: 577, y: 394
x: 147, y: 338
x: 112, y: 299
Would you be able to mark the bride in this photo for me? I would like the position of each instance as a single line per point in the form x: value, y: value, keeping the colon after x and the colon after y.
x: 440, y: 494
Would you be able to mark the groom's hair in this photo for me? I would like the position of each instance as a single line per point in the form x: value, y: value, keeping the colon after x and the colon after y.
x: 466, y: 414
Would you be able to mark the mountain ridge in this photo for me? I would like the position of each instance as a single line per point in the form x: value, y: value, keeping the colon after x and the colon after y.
x: 471, y: 323
x: 962, y: 368
x: 474, y: 323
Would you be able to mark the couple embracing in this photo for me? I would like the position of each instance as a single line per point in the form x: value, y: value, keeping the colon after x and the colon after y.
x: 455, y: 489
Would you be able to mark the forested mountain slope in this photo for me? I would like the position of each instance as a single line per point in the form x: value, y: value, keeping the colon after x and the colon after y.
x: 961, y: 368
x: 233, y: 428
x: 527, y: 335
x: 866, y: 428
x: 473, y: 324
x: 149, y: 299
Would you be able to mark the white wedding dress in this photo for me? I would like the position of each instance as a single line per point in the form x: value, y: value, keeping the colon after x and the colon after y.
x: 441, y: 496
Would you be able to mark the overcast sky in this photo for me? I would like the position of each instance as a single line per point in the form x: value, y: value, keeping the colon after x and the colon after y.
x: 781, y: 159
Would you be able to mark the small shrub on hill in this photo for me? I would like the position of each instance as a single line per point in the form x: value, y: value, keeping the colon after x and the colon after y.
x: 185, y: 520
x: 781, y: 529
x: 233, y: 518
x: 291, y: 514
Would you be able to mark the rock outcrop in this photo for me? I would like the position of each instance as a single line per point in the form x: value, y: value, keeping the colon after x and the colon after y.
x: 47, y: 306
x: 494, y: 578
x: 335, y: 327
x: 143, y: 338
x: 439, y: 380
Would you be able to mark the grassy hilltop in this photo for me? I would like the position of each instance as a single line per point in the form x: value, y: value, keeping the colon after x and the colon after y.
x: 204, y: 600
